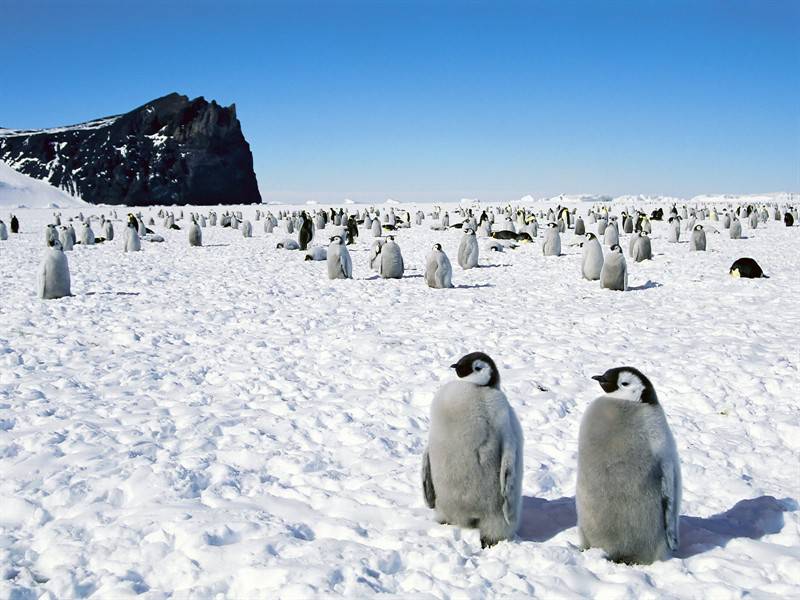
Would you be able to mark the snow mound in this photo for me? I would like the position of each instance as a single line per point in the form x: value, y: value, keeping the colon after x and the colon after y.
x: 19, y: 190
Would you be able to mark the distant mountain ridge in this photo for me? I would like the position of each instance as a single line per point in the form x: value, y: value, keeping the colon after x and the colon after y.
x: 172, y: 150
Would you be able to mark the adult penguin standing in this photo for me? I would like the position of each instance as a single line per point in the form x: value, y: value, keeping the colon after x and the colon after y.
x: 306, y: 231
x: 14, y: 224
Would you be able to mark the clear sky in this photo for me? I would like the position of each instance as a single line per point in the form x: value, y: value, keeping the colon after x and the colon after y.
x: 439, y: 100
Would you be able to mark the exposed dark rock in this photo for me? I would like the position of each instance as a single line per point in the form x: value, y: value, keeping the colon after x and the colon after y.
x: 170, y: 151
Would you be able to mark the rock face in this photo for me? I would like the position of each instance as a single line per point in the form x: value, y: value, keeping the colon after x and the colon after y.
x: 170, y: 151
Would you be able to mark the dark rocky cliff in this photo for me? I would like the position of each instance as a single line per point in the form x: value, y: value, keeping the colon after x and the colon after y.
x: 170, y: 151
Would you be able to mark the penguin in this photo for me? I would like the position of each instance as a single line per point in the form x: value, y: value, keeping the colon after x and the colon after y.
x: 642, y: 249
x: 64, y: 238
x: 611, y: 235
x: 132, y: 241
x: 87, y: 235
x: 288, y: 244
x: 247, y: 229
x: 195, y: 234
x: 14, y: 224
x: 628, y: 492
x: 53, y: 281
x: 339, y: 264
x: 674, y: 229
x: 50, y: 234
x: 602, y: 224
x: 3, y: 231
x: 580, y: 228
x: 698, y: 240
x: 306, y: 231
x: 552, y: 241
x: 735, y: 231
x: 472, y: 466
x: 438, y: 271
x: 352, y: 230
x: 627, y: 224
x: 468, y: 250
x: 108, y: 230
x: 746, y: 268
x: 375, y: 255
x: 788, y: 220
x: 376, y: 228
x: 592, y: 264
x: 391, y: 260
x: 614, y: 274
x: 317, y: 253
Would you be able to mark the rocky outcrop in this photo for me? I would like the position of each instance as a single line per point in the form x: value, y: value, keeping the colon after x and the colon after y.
x: 170, y: 151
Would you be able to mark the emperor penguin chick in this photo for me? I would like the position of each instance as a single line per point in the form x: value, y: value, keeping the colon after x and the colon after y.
x: 438, y: 271
x: 53, y: 281
x: 340, y: 265
x: 472, y: 466
x: 629, y: 479
x: 614, y: 274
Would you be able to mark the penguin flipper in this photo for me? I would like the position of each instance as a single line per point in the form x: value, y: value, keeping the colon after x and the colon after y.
x: 427, y: 481
x: 510, y: 479
x: 669, y: 500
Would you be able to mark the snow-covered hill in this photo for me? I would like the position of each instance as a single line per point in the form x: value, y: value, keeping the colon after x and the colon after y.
x: 19, y: 190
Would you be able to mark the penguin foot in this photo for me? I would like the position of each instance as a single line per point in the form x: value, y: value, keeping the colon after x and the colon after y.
x: 487, y: 543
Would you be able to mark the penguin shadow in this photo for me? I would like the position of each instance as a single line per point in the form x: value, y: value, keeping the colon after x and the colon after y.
x: 473, y: 287
x: 645, y: 286
x: 492, y: 266
x: 752, y: 519
x: 544, y: 519
x: 111, y: 294
x: 214, y: 245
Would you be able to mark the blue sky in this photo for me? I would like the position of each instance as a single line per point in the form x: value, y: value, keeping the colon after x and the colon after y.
x: 440, y: 100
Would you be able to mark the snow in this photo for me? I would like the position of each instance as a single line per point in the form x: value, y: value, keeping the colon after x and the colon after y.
x: 95, y: 124
x: 18, y: 189
x: 225, y: 421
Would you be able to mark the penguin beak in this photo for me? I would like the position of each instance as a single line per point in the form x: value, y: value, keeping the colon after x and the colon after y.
x: 453, y: 366
x: 599, y: 378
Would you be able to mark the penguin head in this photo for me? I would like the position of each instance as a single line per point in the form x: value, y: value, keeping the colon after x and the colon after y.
x: 55, y: 244
x: 337, y: 239
x: 590, y: 237
x: 437, y: 247
x: 552, y: 225
x: 468, y: 231
x: 477, y: 368
x: 698, y: 228
x: 616, y: 248
x: 627, y: 383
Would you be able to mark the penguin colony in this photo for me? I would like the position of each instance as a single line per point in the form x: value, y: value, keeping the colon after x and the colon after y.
x: 628, y: 491
x: 498, y: 228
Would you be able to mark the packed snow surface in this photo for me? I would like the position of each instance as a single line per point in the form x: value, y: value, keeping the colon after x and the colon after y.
x: 18, y: 189
x: 224, y: 421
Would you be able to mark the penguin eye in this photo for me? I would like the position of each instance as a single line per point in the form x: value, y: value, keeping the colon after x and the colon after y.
x: 625, y: 384
x: 478, y: 367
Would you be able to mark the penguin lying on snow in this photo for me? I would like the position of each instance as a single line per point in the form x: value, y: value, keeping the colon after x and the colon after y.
x: 472, y: 466
x: 746, y: 268
x: 629, y: 478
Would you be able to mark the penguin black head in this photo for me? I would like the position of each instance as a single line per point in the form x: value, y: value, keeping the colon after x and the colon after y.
x: 468, y: 231
x: 591, y: 236
x: 698, y: 228
x: 627, y: 383
x: 478, y: 368
x: 437, y: 247
x: 337, y: 239
x: 552, y: 225
x: 616, y: 248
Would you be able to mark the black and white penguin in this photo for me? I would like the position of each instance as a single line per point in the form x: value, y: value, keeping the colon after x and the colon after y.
x: 628, y: 493
x: 14, y: 223
x: 306, y: 231
x: 746, y: 268
x: 472, y: 467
